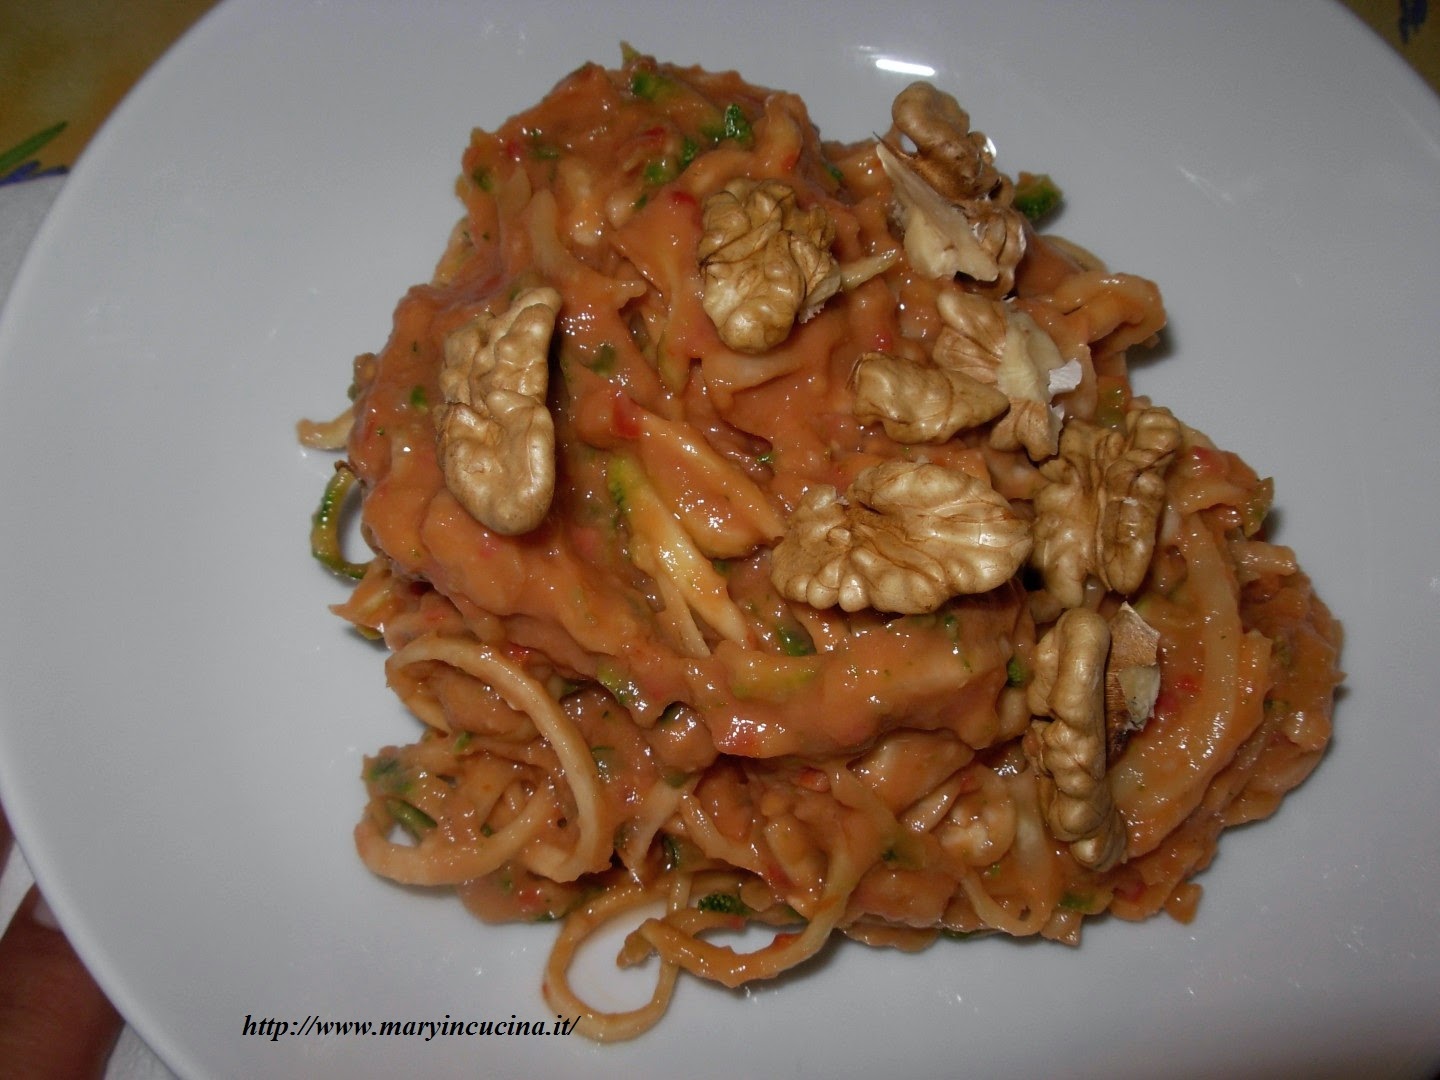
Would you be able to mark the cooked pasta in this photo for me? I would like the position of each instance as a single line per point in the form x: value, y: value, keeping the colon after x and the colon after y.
x: 766, y: 533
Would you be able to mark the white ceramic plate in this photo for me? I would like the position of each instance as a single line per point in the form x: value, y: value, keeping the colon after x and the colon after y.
x: 181, y: 720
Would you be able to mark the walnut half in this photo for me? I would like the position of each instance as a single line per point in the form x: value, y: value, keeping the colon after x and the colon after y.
x: 988, y: 341
x: 955, y: 207
x: 918, y: 402
x: 1068, y: 751
x: 905, y: 537
x: 765, y: 263
x: 1100, y: 507
x: 495, y: 435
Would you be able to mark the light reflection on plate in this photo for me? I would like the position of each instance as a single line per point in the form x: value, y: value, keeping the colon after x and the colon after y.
x: 181, y: 721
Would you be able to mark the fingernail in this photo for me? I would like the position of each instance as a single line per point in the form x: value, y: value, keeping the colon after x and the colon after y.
x: 42, y: 914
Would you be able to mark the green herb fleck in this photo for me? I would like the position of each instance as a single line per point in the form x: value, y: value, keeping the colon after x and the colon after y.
x: 736, y: 126
x: 604, y: 362
x: 671, y: 852
x: 794, y: 640
x: 950, y: 623
x: 388, y: 774
x: 604, y: 759
x: 649, y: 85
x: 617, y: 682
x: 723, y: 903
x: 539, y: 149
x: 1036, y: 195
x: 615, y: 485
x: 1283, y: 649
x: 1257, y: 507
x: 660, y: 171
x: 960, y: 935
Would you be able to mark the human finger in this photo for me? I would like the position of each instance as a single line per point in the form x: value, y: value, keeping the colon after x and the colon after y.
x: 55, y: 1022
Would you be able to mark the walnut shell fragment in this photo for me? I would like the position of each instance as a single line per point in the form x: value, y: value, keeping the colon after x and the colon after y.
x: 1069, y: 751
x: 918, y: 402
x: 1098, y: 511
x: 954, y: 205
x: 495, y: 436
x: 765, y: 263
x: 905, y: 537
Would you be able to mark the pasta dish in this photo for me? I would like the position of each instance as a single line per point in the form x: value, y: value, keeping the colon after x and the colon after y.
x: 766, y: 533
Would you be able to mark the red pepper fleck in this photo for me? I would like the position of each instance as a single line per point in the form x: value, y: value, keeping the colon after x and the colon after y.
x: 812, y: 780
x: 1175, y: 693
x: 586, y: 541
x: 775, y: 876
x: 1130, y: 891
x: 1207, y: 460
x: 624, y: 416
